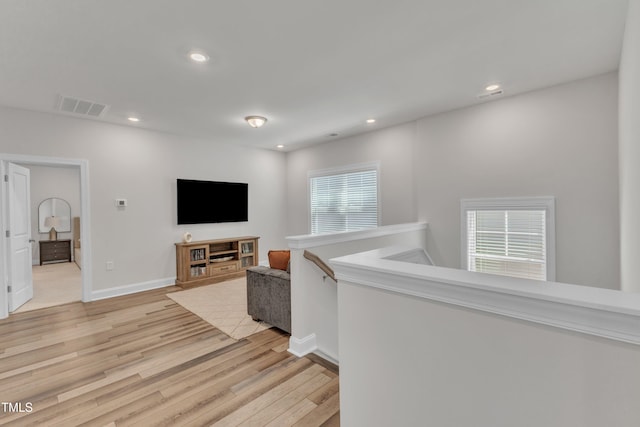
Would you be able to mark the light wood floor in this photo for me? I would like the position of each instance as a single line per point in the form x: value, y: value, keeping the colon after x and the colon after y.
x: 144, y: 360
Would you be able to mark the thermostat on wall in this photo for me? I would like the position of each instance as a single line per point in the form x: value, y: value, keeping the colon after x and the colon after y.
x: 121, y: 203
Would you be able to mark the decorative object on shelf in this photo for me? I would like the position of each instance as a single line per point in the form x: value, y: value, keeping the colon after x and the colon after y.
x: 223, y: 259
x: 198, y: 254
x: 52, y: 222
x: 246, y: 247
x: 256, y: 121
x: 187, y: 237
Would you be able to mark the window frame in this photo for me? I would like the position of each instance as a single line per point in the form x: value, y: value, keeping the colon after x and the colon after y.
x: 340, y: 170
x: 512, y: 203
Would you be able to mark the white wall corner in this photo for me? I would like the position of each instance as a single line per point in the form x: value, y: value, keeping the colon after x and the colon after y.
x: 300, y: 347
x: 132, y: 288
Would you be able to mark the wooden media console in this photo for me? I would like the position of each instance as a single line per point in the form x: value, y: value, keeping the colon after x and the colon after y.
x: 211, y: 261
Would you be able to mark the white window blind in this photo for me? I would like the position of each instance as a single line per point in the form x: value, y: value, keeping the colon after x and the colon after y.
x: 345, y: 201
x: 510, y: 237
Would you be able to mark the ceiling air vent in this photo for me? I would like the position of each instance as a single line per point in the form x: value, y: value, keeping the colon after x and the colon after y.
x: 494, y: 94
x: 82, y: 107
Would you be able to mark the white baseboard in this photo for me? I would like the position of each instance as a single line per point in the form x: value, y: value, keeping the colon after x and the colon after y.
x: 325, y: 356
x: 131, y: 289
x: 302, y: 346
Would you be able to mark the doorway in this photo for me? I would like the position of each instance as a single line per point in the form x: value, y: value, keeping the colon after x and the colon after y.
x: 83, y: 214
x: 55, y: 222
x: 54, y: 284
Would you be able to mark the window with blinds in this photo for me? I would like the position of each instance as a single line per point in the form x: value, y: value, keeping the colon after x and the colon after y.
x: 508, y: 240
x: 344, y: 201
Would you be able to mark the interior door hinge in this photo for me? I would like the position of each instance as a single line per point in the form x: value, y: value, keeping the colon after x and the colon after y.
x: 6, y: 178
x: 9, y: 289
x: 7, y: 233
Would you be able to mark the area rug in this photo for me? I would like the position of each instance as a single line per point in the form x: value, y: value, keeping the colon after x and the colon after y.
x: 224, y: 305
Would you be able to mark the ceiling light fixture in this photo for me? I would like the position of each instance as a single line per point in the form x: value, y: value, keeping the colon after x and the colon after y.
x: 255, y: 121
x: 133, y: 119
x: 198, y: 56
x: 369, y: 121
x: 492, y: 87
x: 280, y: 146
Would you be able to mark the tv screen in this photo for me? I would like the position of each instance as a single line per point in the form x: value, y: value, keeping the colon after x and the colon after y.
x: 206, y: 202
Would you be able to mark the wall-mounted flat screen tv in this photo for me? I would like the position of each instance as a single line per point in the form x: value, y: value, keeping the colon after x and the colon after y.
x: 207, y: 202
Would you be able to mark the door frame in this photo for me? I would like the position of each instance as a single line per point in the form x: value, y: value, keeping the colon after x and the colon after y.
x: 85, y: 219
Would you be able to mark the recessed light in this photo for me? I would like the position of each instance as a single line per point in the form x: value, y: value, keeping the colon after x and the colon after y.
x: 369, y: 121
x: 280, y: 146
x: 492, y: 87
x: 198, y: 56
x: 133, y: 119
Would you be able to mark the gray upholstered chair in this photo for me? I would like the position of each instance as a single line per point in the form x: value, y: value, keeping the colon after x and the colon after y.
x: 269, y: 296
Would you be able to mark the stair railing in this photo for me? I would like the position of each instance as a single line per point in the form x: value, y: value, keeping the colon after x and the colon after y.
x: 321, y: 264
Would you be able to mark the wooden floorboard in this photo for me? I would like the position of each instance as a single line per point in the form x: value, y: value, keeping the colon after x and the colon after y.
x: 142, y: 359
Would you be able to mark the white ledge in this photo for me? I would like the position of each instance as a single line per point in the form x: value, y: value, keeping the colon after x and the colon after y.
x: 595, y: 311
x: 312, y: 240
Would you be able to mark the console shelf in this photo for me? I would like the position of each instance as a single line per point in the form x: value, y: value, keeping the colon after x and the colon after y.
x: 211, y: 261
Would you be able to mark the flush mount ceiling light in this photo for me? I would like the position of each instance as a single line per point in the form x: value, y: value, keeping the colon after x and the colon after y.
x: 255, y: 121
x: 133, y: 119
x: 492, y: 87
x: 198, y: 56
x: 370, y: 121
x: 279, y: 146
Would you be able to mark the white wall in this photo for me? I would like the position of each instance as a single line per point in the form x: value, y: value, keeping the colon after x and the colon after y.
x: 630, y: 151
x: 570, y: 129
x: 391, y: 146
x: 46, y: 182
x: 560, y: 141
x: 405, y: 361
x: 142, y: 166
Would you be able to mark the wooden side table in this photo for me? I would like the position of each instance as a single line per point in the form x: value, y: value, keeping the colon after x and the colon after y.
x: 55, y: 251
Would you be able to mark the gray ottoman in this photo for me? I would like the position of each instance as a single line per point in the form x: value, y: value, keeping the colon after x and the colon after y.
x: 269, y: 296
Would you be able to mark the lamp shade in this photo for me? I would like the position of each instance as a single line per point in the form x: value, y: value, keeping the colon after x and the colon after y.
x: 52, y: 221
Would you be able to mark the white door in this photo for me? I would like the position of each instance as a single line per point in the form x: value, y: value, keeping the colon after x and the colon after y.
x: 20, y: 278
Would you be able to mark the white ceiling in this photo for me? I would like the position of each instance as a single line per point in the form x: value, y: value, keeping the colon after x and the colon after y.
x: 312, y: 68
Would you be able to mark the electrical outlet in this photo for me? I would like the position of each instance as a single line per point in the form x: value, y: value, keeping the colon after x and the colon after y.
x: 110, y: 265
